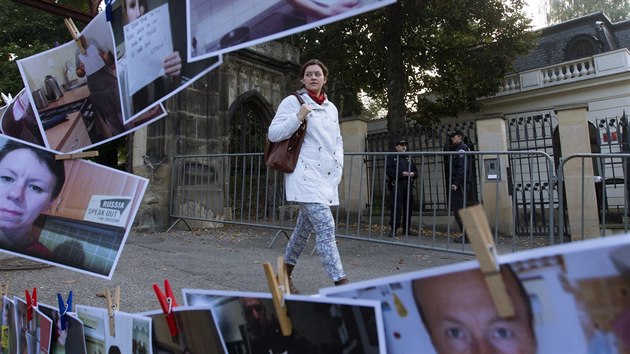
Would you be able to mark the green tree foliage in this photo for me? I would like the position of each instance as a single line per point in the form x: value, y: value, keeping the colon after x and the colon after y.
x: 27, y: 31
x: 564, y: 10
x: 424, y: 59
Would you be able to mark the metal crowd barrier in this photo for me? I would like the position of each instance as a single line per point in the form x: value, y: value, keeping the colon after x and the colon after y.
x: 519, y: 190
x: 597, y: 185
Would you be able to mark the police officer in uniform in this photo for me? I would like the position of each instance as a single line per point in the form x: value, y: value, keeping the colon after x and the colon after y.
x: 460, y: 178
x: 401, y: 173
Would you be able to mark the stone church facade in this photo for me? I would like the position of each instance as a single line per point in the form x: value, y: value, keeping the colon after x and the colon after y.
x: 218, y: 114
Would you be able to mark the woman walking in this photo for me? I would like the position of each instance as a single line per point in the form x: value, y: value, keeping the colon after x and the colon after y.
x: 314, y: 183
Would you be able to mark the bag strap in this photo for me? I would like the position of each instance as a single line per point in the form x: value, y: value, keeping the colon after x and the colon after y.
x: 299, y: 97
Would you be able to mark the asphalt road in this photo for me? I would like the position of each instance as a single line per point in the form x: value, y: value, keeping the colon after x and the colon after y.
x: 228, y: 258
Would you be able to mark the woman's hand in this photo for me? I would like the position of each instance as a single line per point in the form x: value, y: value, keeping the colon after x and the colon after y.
x: 172, y: 64
x: 305, y: 110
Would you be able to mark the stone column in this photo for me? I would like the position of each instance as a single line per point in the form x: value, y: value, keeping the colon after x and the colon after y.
x: 152, y: 215
x: 497, y: 202
x: 578, y: 173
x: 353, y: 187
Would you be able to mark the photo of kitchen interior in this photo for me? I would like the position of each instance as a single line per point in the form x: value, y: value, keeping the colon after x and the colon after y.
x: 76, y: 97
x: 62, y: 99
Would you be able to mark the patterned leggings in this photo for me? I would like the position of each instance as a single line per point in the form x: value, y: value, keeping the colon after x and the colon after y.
x: 317, y: 218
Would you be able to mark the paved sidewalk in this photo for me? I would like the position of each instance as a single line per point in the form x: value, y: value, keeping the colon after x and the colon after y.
x: 228, y: 258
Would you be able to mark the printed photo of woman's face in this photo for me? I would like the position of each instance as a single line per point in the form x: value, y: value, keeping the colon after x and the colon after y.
x: 134, y: 9
x: 26, y: 190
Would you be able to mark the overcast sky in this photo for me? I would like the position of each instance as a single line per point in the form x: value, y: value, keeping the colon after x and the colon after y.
x: 535, y: 8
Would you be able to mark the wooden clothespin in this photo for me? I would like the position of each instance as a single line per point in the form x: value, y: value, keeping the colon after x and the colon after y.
x: 480, y: 235
x: 113, y: 305
x: 78, y: 155
x: 4, y: 289
x: 74, y: 31
x: 31, y: 303
x: 279, y: 286
x: 167, y: 302
x: 64, y: 309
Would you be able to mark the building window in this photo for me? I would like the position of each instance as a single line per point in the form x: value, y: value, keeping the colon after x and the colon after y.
x: 582, y: 46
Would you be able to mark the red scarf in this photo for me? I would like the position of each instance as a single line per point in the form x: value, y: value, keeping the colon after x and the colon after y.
x: 318, y: 99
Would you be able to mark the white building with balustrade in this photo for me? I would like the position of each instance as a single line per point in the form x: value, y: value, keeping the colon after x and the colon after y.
x: 570, y: 95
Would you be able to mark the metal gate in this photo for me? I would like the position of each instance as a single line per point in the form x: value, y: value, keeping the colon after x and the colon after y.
x: 421, y: 139
x: 530, y: 186
x: 609, y: 136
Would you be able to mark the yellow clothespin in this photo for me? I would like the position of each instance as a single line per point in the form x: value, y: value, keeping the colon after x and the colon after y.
x: 279, y: 286
x: 4, y: 289
x: 113, y: 305
x: 79, y: 155
x: 480, y: 235
x: 74, y: 31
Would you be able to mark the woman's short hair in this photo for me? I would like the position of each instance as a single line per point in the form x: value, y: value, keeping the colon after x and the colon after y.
x: 56, y: 167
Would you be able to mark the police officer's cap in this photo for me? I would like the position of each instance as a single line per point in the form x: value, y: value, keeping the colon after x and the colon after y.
x: 454, y: 132
x: 402, y: 142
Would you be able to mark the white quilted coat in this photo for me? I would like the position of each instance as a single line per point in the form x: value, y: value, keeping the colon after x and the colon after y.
x: 318, y: 172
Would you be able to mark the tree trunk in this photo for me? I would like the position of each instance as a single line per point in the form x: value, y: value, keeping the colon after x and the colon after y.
x: 396, y: 86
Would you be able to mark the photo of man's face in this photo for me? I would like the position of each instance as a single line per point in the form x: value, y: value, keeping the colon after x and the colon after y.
x: 255, y: 313
x: 460, y: 316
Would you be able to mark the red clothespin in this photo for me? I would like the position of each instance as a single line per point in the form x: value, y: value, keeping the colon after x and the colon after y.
x: 31, y: 303
x: 167, y: 302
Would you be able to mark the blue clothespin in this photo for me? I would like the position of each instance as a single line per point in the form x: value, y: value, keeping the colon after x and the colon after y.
x: 64, y: 308
x: 108, y: 10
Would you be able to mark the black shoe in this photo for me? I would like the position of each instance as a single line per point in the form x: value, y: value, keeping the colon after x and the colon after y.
x: 392, y: 234
x: 461, y: 239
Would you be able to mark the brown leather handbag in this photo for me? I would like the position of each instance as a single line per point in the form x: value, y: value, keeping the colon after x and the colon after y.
x: 283, y: 155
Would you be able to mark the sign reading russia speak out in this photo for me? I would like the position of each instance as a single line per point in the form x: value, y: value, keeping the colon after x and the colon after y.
x: 110, y: 210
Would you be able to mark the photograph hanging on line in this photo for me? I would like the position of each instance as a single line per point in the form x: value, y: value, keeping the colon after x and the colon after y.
x: 17, y: 119
x: 71, y: 213
x: 217, y: 27
x: 579, y: 290
x: 34, y: 335
x: 196, y: 331
x: 248, y: 323
x: 132, y: 332
x: 8, y: 326
x: 70, y: 339
x: 151, y: 52
x: 75, y: 92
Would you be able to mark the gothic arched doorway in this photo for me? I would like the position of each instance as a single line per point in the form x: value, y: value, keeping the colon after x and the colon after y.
x: 249, y: 116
